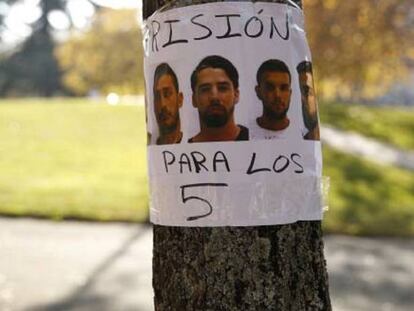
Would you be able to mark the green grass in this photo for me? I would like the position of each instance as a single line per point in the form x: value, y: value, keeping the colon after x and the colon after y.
x: 368, y: 199
x: 388, y: 124
x: 70, y: 159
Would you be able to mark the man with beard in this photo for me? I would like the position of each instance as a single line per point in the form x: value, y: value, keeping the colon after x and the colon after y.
x: 309, y: 103
x: 215, y: 86
x: 274, y: 91
x: 167, y: 102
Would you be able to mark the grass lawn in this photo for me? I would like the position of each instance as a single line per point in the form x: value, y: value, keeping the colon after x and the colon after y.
x: 68, y: 159
x: 366, y: 198
x: 388, y: 124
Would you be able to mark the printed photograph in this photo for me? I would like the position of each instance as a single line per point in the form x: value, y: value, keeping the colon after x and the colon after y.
x: 167, y: 103
x: 309, y: 102
x: 215, y: 87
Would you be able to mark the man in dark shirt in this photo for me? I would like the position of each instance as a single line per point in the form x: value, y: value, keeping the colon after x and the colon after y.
x: 215, y: 86
x: 167, y: 102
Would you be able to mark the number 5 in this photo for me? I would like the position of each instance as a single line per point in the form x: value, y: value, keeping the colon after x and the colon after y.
x: 185, y: 199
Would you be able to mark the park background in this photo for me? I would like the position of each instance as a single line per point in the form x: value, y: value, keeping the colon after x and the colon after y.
x: 72, y: 120
x: 72, y: 138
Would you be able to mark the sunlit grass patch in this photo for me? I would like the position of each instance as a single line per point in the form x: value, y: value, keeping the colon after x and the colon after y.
x: 72, y: 159
x: 367, y: 198
x: 393, y: 125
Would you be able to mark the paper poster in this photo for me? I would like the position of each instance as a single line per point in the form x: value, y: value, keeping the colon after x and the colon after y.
x: 231, y: 116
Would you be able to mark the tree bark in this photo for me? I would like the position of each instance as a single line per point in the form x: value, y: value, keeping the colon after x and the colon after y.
x: 239, y: 268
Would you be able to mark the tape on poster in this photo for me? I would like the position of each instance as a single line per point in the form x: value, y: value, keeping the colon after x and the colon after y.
x: 232, y: 116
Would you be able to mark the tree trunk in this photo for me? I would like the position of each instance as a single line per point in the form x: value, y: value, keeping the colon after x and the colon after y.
x: 239, y: 268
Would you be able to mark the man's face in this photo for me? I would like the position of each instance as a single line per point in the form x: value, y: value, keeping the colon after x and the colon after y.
x: 214, y: 96
x: 167, y: 102
x: 274, y: 91
x: 309, y: 103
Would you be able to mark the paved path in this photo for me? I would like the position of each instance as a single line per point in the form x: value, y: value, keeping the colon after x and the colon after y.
x: 368, y: 148
x: 46, y: 266
x: 74, y: 266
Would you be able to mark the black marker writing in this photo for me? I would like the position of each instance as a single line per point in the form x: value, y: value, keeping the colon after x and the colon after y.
x: 209, y: 32
x: 228, y: 33
x: 274, y: 28
x: 249, y: 23
x: 293, y: 156
x: 186, y: 198
x: 170, y: 40
x: 199, y: 159
x: 169, y: 158
x: 155, y: 32
x: 251, y: 171
x: 283, y: 167
x: 220, y: 157
x: 280, y: 164
x: 195, y: 159
x: 198, y: 27
x: 185, y: 161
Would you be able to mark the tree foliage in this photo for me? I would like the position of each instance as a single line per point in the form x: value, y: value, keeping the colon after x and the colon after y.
x: 108, y: 57
x: 32, y: 69
x: 359, y: 47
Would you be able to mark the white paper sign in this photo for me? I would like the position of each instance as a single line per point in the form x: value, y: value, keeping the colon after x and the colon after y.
x: 232, y: 116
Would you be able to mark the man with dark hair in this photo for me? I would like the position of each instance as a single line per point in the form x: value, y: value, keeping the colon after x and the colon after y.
x: 274, y: 91
x: 167, y: 102
x: 215, y: 86
x: 309, y: 103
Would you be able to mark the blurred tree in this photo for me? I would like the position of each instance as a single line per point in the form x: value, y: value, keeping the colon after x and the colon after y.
x: 33, y: 69
x: 359, y: 47
x: 108, y: 57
